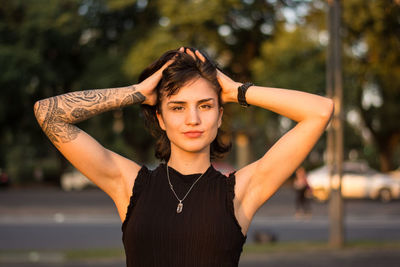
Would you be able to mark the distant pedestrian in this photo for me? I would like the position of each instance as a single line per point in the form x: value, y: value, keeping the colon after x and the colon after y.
x: 184, y: 213
x: 302, y: 188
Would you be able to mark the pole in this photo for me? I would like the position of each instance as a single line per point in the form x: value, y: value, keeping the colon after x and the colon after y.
x: 335, y: 137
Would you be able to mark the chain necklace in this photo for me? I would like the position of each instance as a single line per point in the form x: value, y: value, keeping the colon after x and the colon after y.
x: 179, y: 208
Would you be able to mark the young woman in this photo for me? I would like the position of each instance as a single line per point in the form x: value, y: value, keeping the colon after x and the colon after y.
x: 184, y: 213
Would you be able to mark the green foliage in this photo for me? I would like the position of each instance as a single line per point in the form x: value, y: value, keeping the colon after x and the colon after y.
x: 50, y: 47
x: 292, y: 60
x: 119, y: 4
x: 372, y: 43
x: 148, y: 50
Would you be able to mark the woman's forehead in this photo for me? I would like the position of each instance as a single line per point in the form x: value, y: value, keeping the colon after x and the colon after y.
x: 195, y: 90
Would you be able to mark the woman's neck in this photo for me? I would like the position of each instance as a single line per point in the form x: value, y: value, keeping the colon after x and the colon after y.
x: 189, y: 163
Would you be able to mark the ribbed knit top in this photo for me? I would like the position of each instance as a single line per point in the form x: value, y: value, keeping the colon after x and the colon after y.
x: 205, y: 233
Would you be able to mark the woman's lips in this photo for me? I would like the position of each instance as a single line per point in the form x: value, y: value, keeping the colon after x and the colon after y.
x: 193, y: 134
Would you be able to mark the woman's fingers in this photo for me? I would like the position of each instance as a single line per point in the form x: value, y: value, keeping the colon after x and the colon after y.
x: 190, y: 53
x: 166, y: 64
x: 200, y: 56
x: 169, y: 62
x: 222, y: 76
x: 195, y: 55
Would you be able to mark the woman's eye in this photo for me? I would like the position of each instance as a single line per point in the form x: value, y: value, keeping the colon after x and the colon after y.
x: 177, y: 108
x: 205, y: 106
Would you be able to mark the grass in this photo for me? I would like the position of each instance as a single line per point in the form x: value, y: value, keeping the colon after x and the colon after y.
x: 317, y: 246
x: 248, y: 249
x: 94, y: 254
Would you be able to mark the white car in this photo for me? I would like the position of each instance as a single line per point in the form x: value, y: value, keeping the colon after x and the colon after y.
x: 74, y: 180
x: 358, y: 181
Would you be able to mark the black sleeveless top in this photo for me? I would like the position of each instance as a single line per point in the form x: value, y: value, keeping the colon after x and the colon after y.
x: 205, y: 233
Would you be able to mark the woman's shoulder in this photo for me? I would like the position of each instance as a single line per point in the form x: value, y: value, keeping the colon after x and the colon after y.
x: 151, y: 170
x: 145, y: 175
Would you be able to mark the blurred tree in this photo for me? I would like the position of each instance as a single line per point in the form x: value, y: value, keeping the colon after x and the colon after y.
x: 294, y: 58
x: 49, y: 47
x: 39, y: 56
x: 53, y: 47
x: 372, y: 39
x: 231, y: 31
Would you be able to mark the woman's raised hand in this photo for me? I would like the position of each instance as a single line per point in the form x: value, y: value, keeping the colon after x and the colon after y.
x: 229, y: 86
x: 147, y: 87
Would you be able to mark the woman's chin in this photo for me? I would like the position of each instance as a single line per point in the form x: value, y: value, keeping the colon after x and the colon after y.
x: 195, y: 148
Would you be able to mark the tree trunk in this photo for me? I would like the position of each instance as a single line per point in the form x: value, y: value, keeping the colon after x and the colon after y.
x: 386, y: 148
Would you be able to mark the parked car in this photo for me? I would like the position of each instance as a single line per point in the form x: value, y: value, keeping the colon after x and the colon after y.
x: 395, y: 174
x: 74, y: 180
x: 358, y: 181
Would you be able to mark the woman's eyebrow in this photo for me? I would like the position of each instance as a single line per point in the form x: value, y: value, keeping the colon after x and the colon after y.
x: 176, y: 102
x: 205, y: 100
x: 184, y: 102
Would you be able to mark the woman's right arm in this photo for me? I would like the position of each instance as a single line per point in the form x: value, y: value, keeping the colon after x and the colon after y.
x: 57, y: 115
x: 113, y: 173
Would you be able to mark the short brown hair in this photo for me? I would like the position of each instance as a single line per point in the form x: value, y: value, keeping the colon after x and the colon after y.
x: 184, y: 69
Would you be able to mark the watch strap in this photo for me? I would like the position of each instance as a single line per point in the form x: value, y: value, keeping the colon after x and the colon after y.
x: 242, y: 94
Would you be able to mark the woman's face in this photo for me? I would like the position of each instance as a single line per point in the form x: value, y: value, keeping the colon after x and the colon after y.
x: 191, y: 117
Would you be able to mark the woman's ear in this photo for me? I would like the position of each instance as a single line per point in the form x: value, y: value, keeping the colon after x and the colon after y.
x: 160, y: 120
x: 221, y: 112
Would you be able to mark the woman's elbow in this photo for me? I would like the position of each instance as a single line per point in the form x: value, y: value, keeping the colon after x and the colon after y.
x: 37, y: 111
x: 328, y: 110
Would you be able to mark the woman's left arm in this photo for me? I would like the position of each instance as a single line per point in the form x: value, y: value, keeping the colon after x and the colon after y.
x: 258, y: 181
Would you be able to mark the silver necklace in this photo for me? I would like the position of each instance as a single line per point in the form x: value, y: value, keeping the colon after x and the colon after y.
x: 179, y: 208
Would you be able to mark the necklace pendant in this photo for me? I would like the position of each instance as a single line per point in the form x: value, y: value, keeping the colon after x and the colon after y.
x: 179, y: 208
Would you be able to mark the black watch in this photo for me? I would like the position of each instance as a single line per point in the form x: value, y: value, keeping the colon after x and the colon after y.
x: 242, y: 94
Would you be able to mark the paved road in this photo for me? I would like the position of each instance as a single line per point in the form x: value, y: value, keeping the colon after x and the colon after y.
x: 52, y: 219
x: 49, y: 219
x: 69, y: 232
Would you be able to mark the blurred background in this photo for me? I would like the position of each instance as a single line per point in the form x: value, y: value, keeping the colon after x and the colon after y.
x: 50, y: 215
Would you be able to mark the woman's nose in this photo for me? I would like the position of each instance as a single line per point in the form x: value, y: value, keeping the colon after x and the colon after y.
x: 192, y: 117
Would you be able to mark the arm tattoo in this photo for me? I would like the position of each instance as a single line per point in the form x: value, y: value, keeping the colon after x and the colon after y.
x: 56, y: 115
x: 134, y: 98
